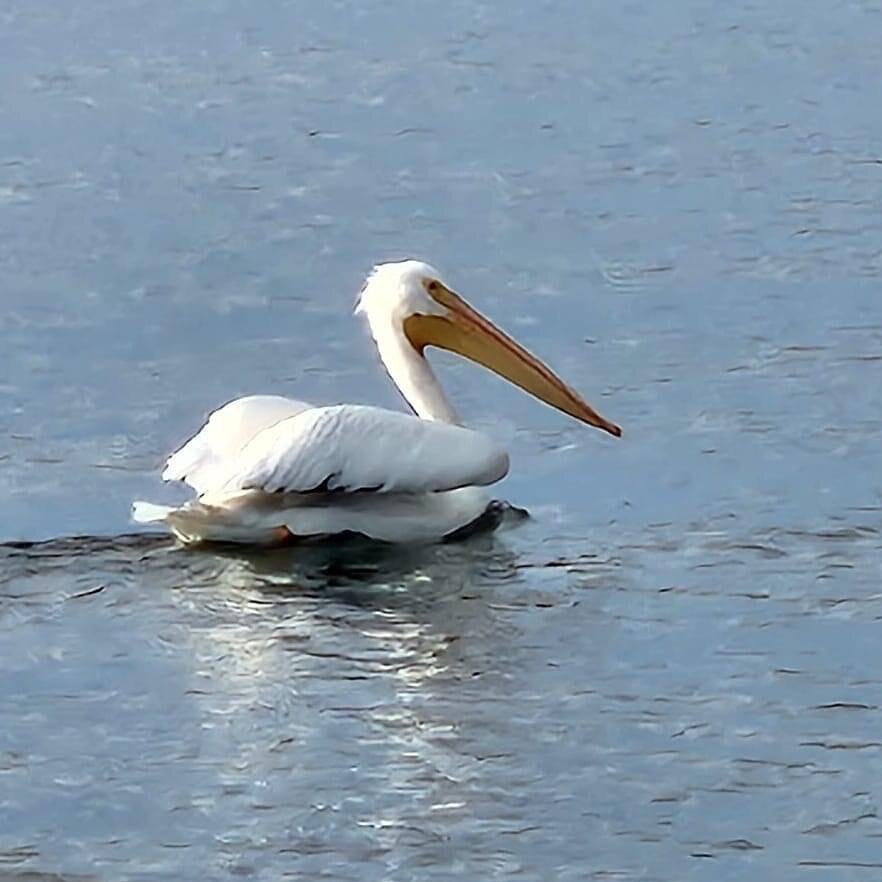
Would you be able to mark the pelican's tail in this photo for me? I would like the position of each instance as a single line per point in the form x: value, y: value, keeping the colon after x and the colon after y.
x: 196, y: 522
x: 149, y: 513
x: 175, y: 518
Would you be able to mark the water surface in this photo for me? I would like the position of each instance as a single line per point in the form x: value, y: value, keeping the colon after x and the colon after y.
x: 671, y: 671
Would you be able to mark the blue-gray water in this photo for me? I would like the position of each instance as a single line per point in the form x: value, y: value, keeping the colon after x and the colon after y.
x: 672, y: 672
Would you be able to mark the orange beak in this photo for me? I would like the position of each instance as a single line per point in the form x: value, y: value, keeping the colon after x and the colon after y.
x: 468, y: 333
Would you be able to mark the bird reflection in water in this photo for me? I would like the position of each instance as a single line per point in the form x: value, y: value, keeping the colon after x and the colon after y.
x: 363, y: 656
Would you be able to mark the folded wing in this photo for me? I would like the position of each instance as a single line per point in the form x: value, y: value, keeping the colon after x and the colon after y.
x: 205, y: 460
x: 351, y: 448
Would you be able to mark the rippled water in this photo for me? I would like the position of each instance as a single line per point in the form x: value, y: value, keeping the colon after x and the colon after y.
x: 671, y: 671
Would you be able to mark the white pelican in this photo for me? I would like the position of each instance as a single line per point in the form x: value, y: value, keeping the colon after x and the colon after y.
x: 268, y: 469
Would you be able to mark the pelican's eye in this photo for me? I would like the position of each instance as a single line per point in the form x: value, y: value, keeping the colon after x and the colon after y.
x: 432, y: 286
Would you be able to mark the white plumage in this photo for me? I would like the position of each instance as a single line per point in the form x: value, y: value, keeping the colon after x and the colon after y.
x: 205, y: 459
x: 351, y: 447
x: 267, y: 468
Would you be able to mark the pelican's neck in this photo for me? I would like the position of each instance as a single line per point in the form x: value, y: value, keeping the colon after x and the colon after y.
x: 413, y: 376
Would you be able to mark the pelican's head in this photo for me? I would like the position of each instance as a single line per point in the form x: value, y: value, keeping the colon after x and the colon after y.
x: 399, y: 290
x: 413, y: 297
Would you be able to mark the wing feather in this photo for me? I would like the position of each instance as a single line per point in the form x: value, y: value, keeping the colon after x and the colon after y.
x: 205, y: 458
x: 351, y: 448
